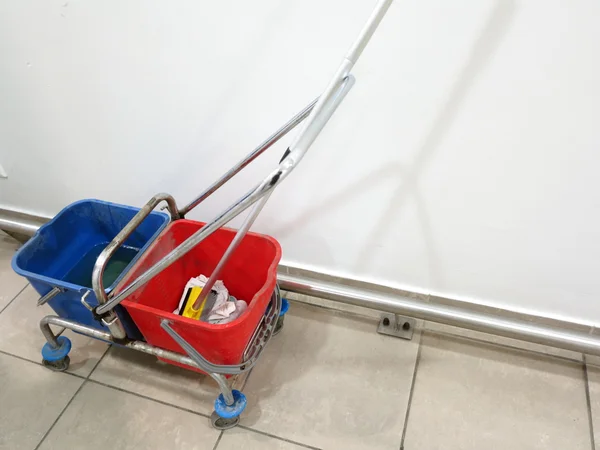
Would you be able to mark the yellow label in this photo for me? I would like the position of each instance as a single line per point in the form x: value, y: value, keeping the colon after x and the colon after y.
x: 188, y: 310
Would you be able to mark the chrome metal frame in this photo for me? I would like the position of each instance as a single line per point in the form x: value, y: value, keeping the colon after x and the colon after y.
x: 257, y: 344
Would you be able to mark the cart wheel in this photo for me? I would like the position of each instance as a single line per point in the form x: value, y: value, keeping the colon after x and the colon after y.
x: 220, y: 423
x: 228, y: 416
x: 57, y: 366
x: 285, y: 306
x: 57, y: 358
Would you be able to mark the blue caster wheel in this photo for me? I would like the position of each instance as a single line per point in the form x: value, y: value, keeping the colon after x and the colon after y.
x: 57, y: 359
x: 285, y: 306
x: 228, y: 416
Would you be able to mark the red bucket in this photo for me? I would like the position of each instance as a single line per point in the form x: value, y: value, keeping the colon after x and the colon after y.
x: 249, y: 275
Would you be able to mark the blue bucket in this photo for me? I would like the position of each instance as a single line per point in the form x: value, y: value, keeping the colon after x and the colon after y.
x: 63, y: 253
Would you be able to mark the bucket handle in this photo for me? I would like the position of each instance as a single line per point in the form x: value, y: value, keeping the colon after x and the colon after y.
x: 109, y: 251
x: 50, y: 295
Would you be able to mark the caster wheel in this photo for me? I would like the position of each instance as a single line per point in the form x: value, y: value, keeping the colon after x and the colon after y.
x: 228, y: 416
x: 59, y: 365
x: 57, y: 358
x: 221, y: 423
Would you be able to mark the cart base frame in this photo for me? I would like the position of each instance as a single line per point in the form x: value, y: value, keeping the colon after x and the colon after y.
x: 229, y: 404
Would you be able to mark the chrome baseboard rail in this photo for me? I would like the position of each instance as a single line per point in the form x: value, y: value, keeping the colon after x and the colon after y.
x: 565, y: 335
x: 20, y: 223
x: 579, y: 341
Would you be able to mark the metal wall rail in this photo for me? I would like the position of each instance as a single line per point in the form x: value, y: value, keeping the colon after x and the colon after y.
x: 553, y: 336
x: 20, y: 223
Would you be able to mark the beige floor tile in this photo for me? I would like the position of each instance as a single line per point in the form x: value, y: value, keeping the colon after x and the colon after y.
x: 10, y: 282
x: 145, y: 375
x: 103, y: 418
x: 21, y: 334
x: 470, y: 395
x: 31, y: 398
x: 330, y: 381
x: 239, y: 438
x: 593, y: 373
x: 503, y: 341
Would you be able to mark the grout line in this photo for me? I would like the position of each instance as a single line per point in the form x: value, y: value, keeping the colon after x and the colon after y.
x: 243, y: 427
x: 60, y: 415
x: 246, y: 380
x: 218, y: 439
x: 13, y: 299
x: 198, y: 413
x: 20, y: 357
x: 181, y: 408
x: 89, y: 380
x: 589, y: 403
x: 99, y: 361
x: 40, y: 364
x: 412, y: 388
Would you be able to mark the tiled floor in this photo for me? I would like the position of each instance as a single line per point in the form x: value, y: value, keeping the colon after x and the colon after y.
x: 327, y: 381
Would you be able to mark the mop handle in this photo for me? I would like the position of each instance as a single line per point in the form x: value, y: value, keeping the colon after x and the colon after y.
x: 320, y: 114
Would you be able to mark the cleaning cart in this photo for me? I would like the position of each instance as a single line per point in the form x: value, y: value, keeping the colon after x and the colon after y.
x: 141, y: 262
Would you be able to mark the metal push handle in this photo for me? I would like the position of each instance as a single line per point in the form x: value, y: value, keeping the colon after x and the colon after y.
x: 109, y: 251
x: 265, y: 145
x: 266, y: 186
x: 230, y: 250
x: 324, y: 108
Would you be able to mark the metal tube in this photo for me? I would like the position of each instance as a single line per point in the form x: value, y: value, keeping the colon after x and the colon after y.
x: 49, y: 296
x: 104, y: 336
x: 267, y: 185
x: 202, y: 363
x: 230, y: 250
x: 317, y: 119
x: 231, y: 212
x: 113, y: 246
x: 134, y: 345
x: 224, y: 387
x: 365, y: 35
x: 20, y: 223
x: 449, y: 315
x: 266, y: 144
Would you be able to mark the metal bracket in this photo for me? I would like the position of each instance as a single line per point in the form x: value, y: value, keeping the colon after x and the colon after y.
x: 397, y: 326
x: 49, y: 296
x: 86, y: 304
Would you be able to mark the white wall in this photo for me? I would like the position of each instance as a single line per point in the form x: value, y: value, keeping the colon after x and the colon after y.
x: 464, y: 162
